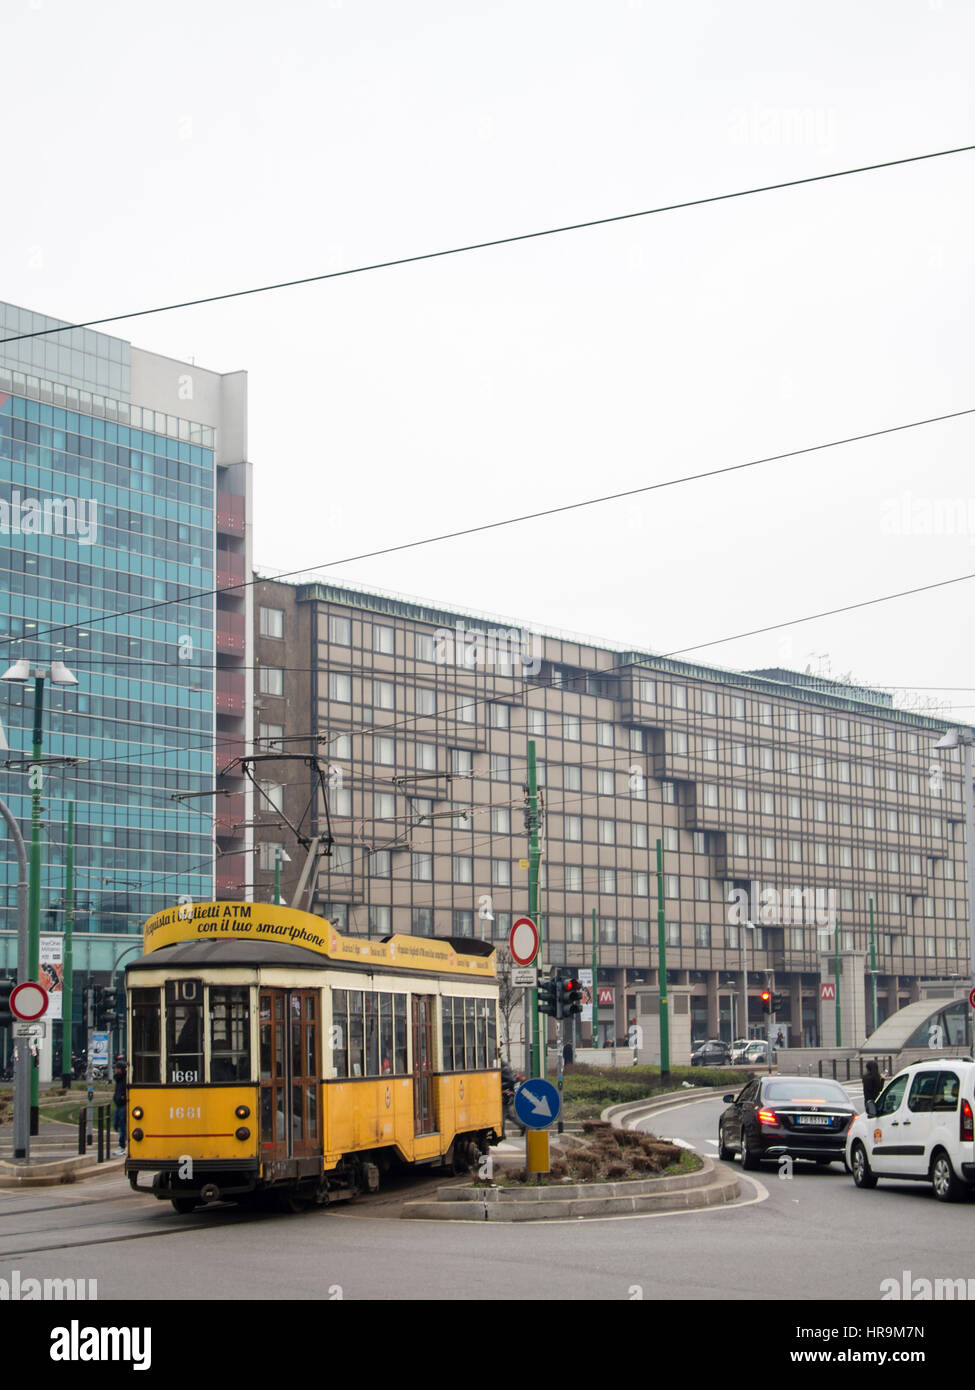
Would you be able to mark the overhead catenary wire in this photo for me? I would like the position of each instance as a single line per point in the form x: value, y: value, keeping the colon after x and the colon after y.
x: 493, y: 242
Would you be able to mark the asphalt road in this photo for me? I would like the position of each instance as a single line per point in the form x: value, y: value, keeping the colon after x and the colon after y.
x: 812, y: 1236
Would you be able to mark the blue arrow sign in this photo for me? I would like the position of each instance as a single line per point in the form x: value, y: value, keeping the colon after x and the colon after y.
x: 537, y: 1103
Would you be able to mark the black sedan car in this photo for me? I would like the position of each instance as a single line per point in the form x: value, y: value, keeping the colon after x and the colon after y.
x: 802, y: 1116
x: 713, y: 1053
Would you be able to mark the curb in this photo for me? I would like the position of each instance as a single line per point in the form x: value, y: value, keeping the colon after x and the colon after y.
x: 56, y: 1172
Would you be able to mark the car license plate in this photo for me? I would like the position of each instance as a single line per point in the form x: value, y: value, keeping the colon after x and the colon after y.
x: 814, y: 1120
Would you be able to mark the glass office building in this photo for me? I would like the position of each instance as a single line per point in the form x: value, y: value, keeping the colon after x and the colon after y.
x: 123, y: 506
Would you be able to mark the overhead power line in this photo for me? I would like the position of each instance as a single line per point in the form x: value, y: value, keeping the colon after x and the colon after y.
x: 496, y: 241
x: 193, y: 594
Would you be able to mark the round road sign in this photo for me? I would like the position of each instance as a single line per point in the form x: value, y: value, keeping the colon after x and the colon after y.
x: 28, y: 1002
x: 971, y: 999
x: 523, y: 941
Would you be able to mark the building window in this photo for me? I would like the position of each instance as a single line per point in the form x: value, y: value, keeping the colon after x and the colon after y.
x: 668, y: 793
x: 640, y: 884
x: 607, y: 931
x: 738, y: 754
x: 846, y: 857
x: 272, y: 680
x: 339, y: 631
x: 573, y: 878
x: 765, y: 714
x: 384, y: 751
x: 819, y: 852
x: 678, y: 696
x: 671, y: 886
x: 648, y: 691
x: 768, y: 847
x: 843, y: 729
x: 425, y: 701
x: 795, y: 851
x: 381, y: 863
x: 501, y: 873
x: 670, y: 838
x: 466, y: 711
x: 639, y: 838
x: 421, y: 921
x: 607, y: 880
x: 499, y: 716
x: 271, y: 737
x: 709, y: 702
x: 572, y: 827
x: 463, y: 868
x: 737, y: 707
x: 739, y: 799
x: 461, y: 762
x: 766, y: 759
x: 641, y: 933
x: 463, y: 921
x: 426, y: 757
x: 273, y: 796
x: 573, y: 928
x: 606, y: 782
x: 383, y: 695
x: 767, y: 803
x: 792, y: 720
x: 500, y: 768
x: 267, y: 855
x: 339, y: 688
x: 605, y: 735
x: 607, y: 832
x: 501, y: 820
x: 572, y: 779
x: 710, y: 793
x: 740, y: 846
x: 793, y: 807
x: 424, y: 647
x: 819, y: 810
x: 380, y: 920
x: 702, y: 934
x: 422, y: 865
x: 384, y: 805
x: 819, y: 726
x: 272, y: 622
x: 571, y: 728
x: 710, y: 750
x: 702, y: 890
x: 384, y: 640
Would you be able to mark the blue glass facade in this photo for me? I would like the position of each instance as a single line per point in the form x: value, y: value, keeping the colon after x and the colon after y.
x: 99, y: 518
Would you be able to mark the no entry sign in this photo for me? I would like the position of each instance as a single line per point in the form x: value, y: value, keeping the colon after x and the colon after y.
x: 28, y: 1002
x: 523, y: 941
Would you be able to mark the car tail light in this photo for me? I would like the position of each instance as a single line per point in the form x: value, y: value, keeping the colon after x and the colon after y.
x: 966, y: 1133
x: 767, y: 1117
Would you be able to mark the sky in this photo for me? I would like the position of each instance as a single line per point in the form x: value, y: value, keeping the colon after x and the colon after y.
x: 162, y: 153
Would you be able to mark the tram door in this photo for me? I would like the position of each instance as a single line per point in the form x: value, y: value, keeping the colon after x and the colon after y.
x: 290, y: 1125
x: 423, y: 1120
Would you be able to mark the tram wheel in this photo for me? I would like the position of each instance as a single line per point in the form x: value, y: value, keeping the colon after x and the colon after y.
x: 183, y: 1205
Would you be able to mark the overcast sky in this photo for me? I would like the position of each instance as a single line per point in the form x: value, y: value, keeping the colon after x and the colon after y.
x: 164, y: 152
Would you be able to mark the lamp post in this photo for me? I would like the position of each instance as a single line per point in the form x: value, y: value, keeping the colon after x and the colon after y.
x: 21, y: 672
x: 964, y: 738
x: 743, y: 927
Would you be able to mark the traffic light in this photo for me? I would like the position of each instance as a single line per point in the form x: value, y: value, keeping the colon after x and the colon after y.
x: 766, y: 1001
x: 549, y: 999
x: 570, y: 992
x: 7, y: 988
x: 103, y: 1004
x: 778, y: 1003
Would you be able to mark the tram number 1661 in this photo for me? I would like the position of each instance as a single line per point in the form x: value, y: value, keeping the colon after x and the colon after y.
x: 185, y: 1112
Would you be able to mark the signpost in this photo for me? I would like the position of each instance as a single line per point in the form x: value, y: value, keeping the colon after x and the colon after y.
x: 537, y: 1105
x: 523, y: 941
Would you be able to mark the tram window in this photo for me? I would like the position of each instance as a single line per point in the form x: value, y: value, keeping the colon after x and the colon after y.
x: 470, y: 1035
x: 230, y: 1040
x: 447, y: 1015
x: 145, y: 1035
x: 355, y: 1032
x: 492, y: 1033
x: 481, y: 1006
x: 399, y: 1034
x: 459, y: 1035
x: 371, y: 1022
x: 386, y: 1033
x: 184, y: 1032
x: 340, y: 1033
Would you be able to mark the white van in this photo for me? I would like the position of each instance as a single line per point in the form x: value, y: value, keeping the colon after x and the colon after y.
x: 920, y: 1128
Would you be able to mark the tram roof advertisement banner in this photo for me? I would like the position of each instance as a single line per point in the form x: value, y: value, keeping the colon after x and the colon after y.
x: 52, y: 972
x: 288, y: 926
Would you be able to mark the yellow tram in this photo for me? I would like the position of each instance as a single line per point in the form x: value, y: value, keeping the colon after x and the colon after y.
x: 270, y: 1053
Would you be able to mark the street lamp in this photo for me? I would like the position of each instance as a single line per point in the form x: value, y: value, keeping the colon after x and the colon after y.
x: 964, y: 738
x: 19, y: 673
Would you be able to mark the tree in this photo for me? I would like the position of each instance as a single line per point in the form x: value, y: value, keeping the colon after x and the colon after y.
x: 510, y: 996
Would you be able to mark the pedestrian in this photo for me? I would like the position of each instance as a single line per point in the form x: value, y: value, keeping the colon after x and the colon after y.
x: 119, y: 1101
x: 873, y: 1083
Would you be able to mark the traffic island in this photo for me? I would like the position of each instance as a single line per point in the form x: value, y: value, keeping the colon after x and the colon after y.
x: 709, y: 1186
x: 17, y: 1173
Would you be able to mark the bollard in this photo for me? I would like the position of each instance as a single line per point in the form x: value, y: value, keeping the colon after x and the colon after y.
x: 82, y: 1121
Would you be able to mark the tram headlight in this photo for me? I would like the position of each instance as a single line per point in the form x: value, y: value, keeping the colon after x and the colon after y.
x: 138, y: 1113
x: 243, y: 1112
x: 242, y: 1133
x: 137, y: 1135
